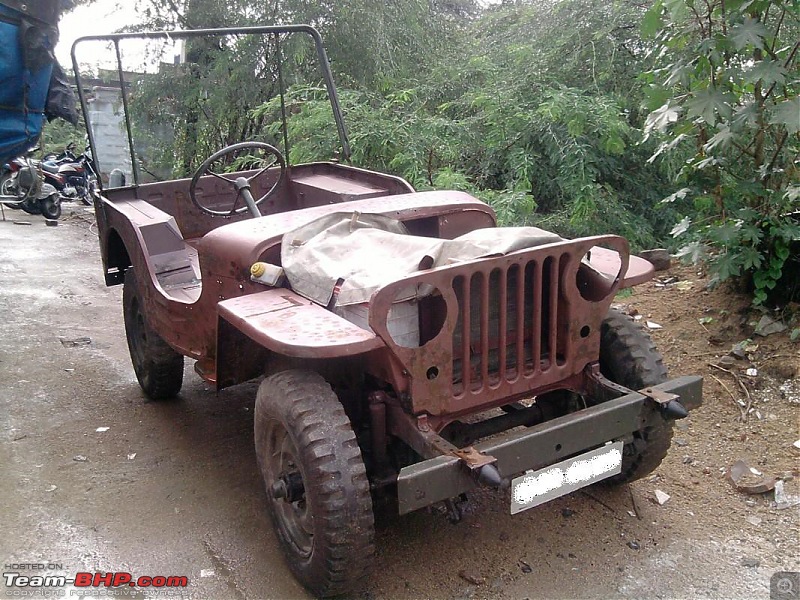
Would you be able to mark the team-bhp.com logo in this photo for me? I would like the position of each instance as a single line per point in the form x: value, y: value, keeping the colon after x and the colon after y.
x: 22, y: 578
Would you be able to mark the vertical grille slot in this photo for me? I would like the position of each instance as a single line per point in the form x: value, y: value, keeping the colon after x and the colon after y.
x: 531, y: 313
x: 499, y: 281
x: 552, y: 346
x: 563, y: 345
x: 508, y: 324
x: 518, y: 292
x: 483, y: 281
x: 466, y: 330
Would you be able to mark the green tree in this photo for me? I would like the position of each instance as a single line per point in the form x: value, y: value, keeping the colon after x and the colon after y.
x: 586, y: 44
x: 370, y: 42
x: 56, y: 135
x: 537, y: 117
x: 532, y: 105
x: 551, y: 96
x: 726, y: 91
x: 186, y: 112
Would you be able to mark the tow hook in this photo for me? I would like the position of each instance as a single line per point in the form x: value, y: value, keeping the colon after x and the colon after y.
x: 489, y: 475
x: 669, y: 404
x: 481, y: 466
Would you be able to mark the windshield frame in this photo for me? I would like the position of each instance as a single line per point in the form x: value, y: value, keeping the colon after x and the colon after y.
x: 322, y: 62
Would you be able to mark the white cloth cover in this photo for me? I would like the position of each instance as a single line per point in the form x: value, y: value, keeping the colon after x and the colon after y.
x: 363, y: 252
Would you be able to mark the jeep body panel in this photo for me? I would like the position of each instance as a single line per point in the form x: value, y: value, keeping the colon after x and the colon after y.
x: 510, y: 350
x: 185, y: 279
x: 293, y: 326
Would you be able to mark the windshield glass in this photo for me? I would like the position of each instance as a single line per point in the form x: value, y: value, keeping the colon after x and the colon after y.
x: 166, y: 101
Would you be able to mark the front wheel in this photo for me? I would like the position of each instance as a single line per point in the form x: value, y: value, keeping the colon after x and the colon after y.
x: 158, y: 368
x: 629, y: 357
x: 317, y: 488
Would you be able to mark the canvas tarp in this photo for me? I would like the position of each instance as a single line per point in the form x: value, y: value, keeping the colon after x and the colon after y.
x: 360, y: 253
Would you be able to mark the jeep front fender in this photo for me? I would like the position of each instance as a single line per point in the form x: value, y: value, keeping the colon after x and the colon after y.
x: 287, y: 324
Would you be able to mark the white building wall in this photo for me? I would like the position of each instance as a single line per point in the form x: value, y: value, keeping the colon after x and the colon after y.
x: 107, y: 121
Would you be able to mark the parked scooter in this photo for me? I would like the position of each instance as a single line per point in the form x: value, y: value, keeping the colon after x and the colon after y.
x: 26, y: 189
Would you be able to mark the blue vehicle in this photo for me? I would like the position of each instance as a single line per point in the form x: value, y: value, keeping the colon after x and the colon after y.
x: 32, y: 84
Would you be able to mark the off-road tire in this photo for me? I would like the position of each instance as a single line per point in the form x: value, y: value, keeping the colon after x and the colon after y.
x: 332, y: 551
x: 158, y: 368
x: 51, y: 208
x: 629, y: 357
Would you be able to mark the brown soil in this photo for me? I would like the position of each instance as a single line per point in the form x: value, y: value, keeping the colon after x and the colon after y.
x: 751, y: 400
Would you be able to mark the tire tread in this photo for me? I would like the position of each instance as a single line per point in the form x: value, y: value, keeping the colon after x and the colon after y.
x: 161, y: 374
x: 629, y: 357
x: 343, y: 517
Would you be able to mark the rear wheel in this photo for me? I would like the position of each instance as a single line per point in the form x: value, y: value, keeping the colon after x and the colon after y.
x: 629, y: 357
x: 317, y: 488
x: 85, y: 193
x: 51, y: 207
x: 158, y: 368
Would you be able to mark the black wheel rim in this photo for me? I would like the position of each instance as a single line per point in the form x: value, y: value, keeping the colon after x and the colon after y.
x: 294, y: 519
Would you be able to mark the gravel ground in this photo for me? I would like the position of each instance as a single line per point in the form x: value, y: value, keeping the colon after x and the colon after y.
x: 173, y: 489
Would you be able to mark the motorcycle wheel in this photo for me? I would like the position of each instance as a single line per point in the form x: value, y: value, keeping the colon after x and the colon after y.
x: 8, y: 187
x: 50, y: 207
x: 85, y: 194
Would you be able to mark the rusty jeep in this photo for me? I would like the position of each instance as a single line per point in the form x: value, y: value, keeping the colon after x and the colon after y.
x: 468, y: 355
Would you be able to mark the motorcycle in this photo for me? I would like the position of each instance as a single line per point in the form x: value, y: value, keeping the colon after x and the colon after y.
x: 26, y: 189
x: 74, y: 177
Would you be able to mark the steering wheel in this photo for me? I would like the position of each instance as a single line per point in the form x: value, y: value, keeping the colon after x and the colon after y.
x: 272, y: 156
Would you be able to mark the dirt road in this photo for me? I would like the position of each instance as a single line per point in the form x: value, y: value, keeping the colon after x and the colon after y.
x: 172, y: 488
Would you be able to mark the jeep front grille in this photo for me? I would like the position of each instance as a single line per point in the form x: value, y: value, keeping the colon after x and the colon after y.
x: 532, y: 319
x: 512, y: 317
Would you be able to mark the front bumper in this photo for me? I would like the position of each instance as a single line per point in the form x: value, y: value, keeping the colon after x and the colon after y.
x: 444, y: 477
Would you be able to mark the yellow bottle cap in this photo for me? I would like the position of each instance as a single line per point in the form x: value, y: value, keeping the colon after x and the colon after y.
x: 258, y: 269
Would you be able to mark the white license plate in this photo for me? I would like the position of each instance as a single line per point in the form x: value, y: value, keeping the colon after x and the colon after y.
x: 537, y: 487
